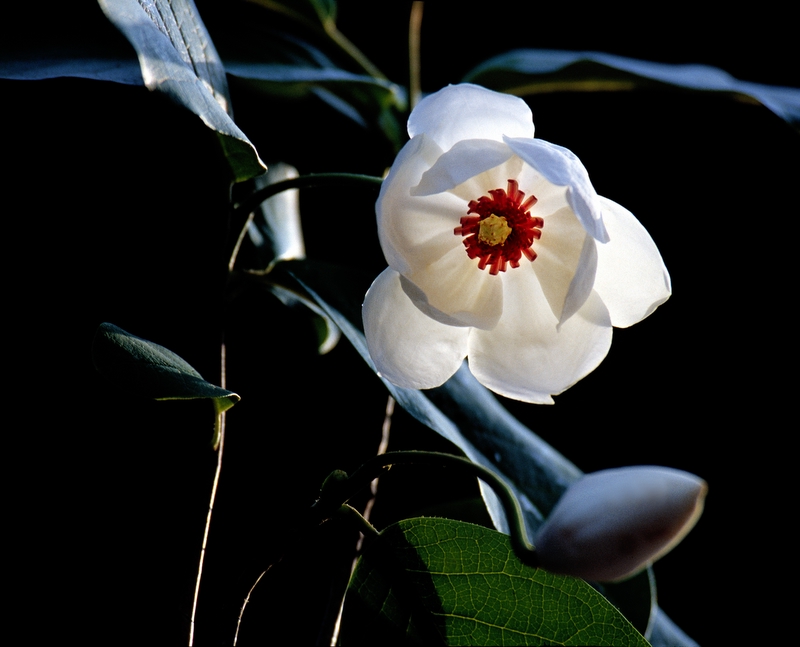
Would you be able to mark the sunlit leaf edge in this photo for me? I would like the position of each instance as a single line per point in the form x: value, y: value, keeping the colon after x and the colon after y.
x: 147, y: 369
x: 531, y: 71
x: 165, y: 70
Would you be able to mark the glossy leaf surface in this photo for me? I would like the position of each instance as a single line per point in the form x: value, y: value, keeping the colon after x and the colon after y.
x: 437, y: 581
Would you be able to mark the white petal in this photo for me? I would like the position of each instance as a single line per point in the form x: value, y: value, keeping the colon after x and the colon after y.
x: 526, y: 357
x: 562, y: 167
x: 610, y: 524
x: 631, y: 277
x: 455, y: 286
x: 564, y: 263
x: 581, y: 285
x: 463, y: 161
x: 419, y: 299
x: 469, y: 111
x: 415, y: 230
x: 496, y: 177
x: 409, y: 348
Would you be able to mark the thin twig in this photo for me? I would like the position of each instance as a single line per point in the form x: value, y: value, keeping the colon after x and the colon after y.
x: 383, y: 446
x: 210, y: 503
x: 244, y: 604
x: 237, y: 246
x: 414, y: 60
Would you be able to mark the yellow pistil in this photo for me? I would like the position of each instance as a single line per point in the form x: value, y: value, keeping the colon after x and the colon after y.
x: 494, y: 230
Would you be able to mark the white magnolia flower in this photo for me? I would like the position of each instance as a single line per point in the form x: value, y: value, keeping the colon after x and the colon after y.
x: 611, y: 524
x: 500, y: 249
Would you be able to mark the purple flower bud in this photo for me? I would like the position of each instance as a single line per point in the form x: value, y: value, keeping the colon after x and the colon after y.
x: 611, y: 524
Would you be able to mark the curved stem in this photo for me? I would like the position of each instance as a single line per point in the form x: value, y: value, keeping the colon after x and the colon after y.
x: 249, y: 204
x: 358, y: 520
x: 341, y: 492
x: 241, y: 214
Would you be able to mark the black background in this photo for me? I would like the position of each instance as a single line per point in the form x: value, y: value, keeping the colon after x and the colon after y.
x: 115, y: 211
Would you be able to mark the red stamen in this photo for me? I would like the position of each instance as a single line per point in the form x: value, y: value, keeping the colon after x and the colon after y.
x: 507, y: 204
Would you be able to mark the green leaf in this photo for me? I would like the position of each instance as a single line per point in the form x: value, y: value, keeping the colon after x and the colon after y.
x: 430, y: 581
x: 84, y: 65
x: 68, y: 40
x: 152, y: 371
x: 298, y: 63
x: 531, y: 71
x: 359, y: 97
x: 292, y: 68
x: 328, y: 333
x: 326, y: 9
x: 306, y: 12
x: 464, y: 412
x: 177, y: 58
x: 273, y: 234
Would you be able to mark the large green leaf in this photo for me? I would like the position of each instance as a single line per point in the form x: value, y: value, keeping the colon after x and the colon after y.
x: 468, y: 415
x: 430, y: 581
x: 144, y: 368
x: 531, y: 71
x: 177, y: 57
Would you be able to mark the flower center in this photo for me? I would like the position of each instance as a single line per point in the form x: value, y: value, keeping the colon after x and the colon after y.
x: 494, y: 230
x: 502, y: 231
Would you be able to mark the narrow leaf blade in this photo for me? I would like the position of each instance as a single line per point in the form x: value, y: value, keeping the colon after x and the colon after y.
x: 531, y: 71
x: 147, y: 369
x: 144, y: 368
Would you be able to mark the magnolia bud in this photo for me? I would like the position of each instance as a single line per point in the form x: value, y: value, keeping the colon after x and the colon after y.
x: 610, y: 524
